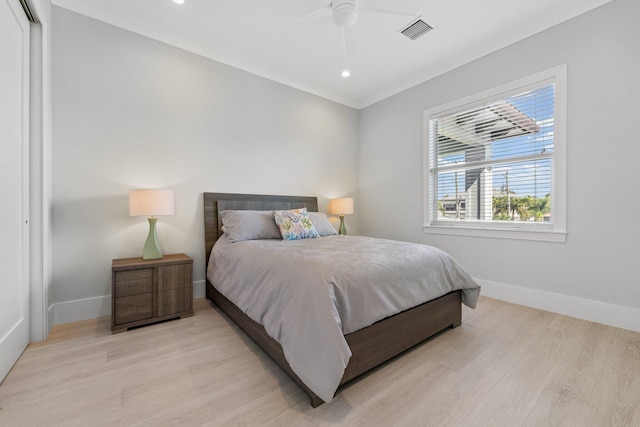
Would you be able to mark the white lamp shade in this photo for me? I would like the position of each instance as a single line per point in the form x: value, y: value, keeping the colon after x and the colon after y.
x: 151, y: 202
x: 343, y: 206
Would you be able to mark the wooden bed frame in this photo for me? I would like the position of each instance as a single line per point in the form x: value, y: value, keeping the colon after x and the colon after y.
x: 370, y: 346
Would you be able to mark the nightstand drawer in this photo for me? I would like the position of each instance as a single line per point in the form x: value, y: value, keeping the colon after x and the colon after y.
x: 133, y: 282
x: 133, y: 308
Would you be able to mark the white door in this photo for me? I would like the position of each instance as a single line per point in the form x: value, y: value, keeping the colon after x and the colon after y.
x: 14, y: 183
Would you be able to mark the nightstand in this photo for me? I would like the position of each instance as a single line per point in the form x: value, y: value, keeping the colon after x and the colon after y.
x: 149, y: 291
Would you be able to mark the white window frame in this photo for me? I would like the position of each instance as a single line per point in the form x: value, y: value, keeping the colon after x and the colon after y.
x: 557, y: 231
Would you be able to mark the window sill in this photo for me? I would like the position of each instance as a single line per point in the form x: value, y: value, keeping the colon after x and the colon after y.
x: 498, y: 233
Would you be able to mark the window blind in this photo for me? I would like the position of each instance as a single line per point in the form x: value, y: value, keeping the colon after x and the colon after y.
x: 493, y: 161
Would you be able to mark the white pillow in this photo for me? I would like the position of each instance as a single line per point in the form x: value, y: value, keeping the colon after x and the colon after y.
x: 322, y: 224
x: 249, y: 225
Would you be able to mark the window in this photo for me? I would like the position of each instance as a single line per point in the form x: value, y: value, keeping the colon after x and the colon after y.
x: 495, y: 161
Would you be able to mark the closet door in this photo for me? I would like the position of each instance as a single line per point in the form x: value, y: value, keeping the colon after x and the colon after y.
x: 14, y: 183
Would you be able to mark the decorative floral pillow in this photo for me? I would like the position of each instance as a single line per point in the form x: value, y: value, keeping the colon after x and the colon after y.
x: 295, y: 224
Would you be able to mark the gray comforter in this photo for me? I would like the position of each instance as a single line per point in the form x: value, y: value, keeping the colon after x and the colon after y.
x: 309, y: 293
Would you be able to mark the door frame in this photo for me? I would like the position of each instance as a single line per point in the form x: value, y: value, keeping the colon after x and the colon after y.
x: 40, y: 169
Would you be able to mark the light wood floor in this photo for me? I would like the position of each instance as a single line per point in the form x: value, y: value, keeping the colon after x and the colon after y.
x: 507, y: 365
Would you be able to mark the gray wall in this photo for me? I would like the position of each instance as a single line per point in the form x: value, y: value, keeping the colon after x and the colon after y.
x: 598, y: 262
x: 130, y: 112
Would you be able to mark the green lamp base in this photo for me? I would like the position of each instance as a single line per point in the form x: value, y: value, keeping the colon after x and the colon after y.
x: 342, y: 229
x: 151, y: 249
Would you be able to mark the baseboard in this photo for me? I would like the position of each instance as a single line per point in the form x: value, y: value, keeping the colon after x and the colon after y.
x: 91, y: 308
x: 595, y: 311
x: 81, y: 309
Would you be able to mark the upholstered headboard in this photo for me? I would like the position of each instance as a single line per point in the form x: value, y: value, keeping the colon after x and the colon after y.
x: 214, y: 203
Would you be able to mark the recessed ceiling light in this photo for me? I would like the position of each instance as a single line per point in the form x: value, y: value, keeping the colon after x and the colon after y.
x: 346, y: 73
x: 178, y: 1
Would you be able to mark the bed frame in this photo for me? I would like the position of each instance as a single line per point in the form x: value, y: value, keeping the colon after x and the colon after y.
x: 370, y: 346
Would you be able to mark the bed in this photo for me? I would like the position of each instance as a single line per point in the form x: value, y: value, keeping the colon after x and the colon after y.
x: 369, y: 346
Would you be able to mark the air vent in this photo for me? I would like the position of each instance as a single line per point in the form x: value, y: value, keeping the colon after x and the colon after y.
x: 416, y: 29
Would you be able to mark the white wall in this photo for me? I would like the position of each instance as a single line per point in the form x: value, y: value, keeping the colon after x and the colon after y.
x: 130, y: 112
x: 593, y: 275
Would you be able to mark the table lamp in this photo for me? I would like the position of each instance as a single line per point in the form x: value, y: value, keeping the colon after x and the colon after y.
x: 341, y: 207
x: 151, y: 203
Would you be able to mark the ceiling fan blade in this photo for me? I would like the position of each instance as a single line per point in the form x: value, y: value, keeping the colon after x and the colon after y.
x: 314, y: 16
x: 348, y: 40
x: 398, y: 7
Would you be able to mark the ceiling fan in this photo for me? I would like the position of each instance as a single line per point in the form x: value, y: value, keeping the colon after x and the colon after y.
x: 344, y: 14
